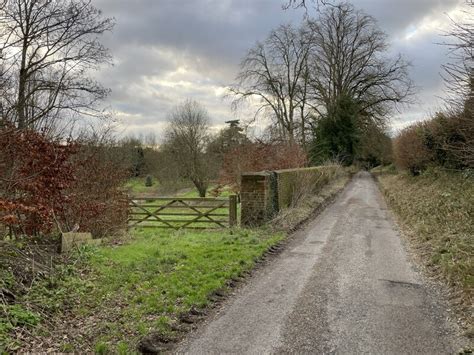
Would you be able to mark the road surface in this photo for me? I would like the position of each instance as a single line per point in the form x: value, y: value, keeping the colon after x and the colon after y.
x: 343, y: 285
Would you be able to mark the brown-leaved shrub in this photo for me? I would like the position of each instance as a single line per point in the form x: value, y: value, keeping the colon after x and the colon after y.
x: 446, y: 140
x: 96, y: 201
x: 252, y: 157
x: 49, y: 185
x: 410, y: 149
x: 35, y: 172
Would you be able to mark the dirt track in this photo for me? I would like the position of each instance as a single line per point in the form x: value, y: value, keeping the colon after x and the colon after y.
x: 343, y: 285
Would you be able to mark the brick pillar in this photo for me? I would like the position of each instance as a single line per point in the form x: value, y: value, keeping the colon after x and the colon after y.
x: 256, y: 198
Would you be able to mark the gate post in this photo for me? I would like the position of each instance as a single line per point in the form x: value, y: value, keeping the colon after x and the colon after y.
x: 232, y: 210
x: 256, y: 198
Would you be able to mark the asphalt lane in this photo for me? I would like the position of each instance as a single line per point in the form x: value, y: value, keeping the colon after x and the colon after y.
x: 344, y: 285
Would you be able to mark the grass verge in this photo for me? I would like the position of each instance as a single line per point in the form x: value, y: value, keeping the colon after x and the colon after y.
x: 110, y: 297
x: 436, y: 210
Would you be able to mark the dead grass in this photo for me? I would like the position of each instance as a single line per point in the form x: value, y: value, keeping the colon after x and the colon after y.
x: 289, y: 219
x: 436, y: 210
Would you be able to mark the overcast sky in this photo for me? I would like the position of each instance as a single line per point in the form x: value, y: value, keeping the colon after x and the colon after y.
x: 166, y: 51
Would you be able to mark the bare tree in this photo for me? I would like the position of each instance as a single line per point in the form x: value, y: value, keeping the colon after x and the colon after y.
x: 186, y: 141
x: 47, y: 47
x: 275, y: 72
x: 459, y: 72
x: 341, y: 54
x: 349, y: 58
x: 459, y: 79
x: 304, y: 3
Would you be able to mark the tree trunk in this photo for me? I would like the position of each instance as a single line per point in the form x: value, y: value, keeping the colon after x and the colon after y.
x: 202, y: 192
x: 21, y: 104
x: 201, y: 187
x: 303, y: 134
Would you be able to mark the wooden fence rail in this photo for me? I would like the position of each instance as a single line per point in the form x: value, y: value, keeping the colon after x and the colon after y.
x: 177, y: 213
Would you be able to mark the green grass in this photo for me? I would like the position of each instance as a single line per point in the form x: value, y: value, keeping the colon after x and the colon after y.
x: 120, y: 293
x: 177, y: 270
x: 437, y: 209
x: 225, y: 192
x: 13, y: 317
x: 137, y: 185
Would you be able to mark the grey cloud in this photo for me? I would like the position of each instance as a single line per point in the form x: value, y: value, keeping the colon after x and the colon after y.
x: 207, y: 39
x: 396, y: 16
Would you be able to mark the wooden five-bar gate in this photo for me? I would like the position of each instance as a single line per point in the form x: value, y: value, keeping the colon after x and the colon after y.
x: 177, y: 212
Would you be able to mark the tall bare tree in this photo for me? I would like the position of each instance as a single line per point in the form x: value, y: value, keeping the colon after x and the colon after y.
x: 47, y: 48
x: 459, y: 71
x: 186, y: 142
x: 349, y: 58
x: 275, y: 72
x: 459, y: 79
x: 340, y: 54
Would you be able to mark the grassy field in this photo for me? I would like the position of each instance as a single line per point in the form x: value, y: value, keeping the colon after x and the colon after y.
x: 112, y: 296
x: 437, y: 211
x: 225, y: 192
x: 137, y: 186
